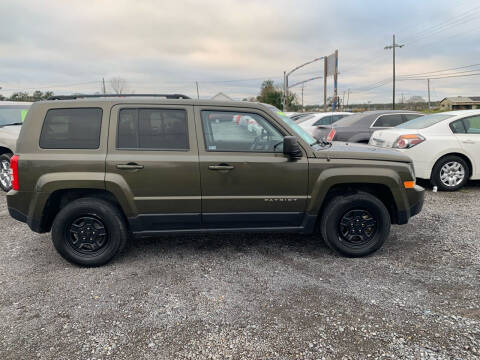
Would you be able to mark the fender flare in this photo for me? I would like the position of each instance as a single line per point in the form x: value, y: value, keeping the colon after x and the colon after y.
x: 356, y: 175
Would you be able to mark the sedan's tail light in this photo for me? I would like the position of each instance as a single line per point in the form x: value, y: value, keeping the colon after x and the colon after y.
x: 408, y: 141
x: 14, y: 171
x: 331, y: 135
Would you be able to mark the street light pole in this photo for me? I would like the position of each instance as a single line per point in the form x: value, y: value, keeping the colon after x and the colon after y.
x: 287, y: 74
x: 428, y: 84
x: 393, y: 46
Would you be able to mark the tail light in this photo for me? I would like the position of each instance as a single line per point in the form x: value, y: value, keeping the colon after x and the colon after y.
x: 14, y: 171
x: 331, y: 135
x: 408, y: 141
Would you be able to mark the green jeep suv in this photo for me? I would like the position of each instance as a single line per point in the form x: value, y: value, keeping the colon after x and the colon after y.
x: 97, y: 170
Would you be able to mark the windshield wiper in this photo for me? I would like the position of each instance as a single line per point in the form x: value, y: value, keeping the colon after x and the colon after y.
x: 323, y: 143
x: 17, y: 123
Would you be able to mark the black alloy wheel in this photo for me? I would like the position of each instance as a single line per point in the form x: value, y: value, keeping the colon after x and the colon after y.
x: 357, y: 228
x: 87, y: 235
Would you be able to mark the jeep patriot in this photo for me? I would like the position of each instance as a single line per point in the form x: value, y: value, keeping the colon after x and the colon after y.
x: 97, y: 170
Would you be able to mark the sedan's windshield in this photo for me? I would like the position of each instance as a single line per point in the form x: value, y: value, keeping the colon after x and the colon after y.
x: 423, y: 122
x: 12, y: 114
x: 300, y: 132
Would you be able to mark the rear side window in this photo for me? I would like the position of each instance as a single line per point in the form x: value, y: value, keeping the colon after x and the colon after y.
x: 326, y: 120
x: 389, y: 120
x: 458, y: 127
x: 153, y: 129
x: 76, y: 128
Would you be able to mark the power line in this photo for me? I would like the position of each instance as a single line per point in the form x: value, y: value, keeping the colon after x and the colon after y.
x: 442, y: 70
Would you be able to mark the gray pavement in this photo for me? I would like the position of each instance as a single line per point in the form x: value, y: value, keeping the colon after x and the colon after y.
x: 260, y: 296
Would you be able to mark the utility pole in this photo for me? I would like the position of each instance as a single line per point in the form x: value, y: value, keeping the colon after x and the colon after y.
x: 428, y: 84
x: 198, y: 94
x: 325, y: 85
x: 348, y: 96
x: 104, y: 90
x: 303, y: 85
x: 284, y: 91
x: 393, y: 46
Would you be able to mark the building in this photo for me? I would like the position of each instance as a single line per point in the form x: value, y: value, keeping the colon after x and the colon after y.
x: 460, y: 103
x: 222, y: 97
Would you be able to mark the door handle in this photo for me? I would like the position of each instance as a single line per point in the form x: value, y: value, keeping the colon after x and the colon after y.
x: 129, y: 166
x: 221, y: 167
x: 468, y: 142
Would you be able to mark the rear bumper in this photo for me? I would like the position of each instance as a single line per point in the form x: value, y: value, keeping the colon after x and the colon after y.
x: 18, y: 207
x: 416, y: 197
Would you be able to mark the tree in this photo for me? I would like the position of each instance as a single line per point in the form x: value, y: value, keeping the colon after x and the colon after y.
x: 118, y: 85
x: 20, y: 96
x: 271, y: 94
x: 36, y: 96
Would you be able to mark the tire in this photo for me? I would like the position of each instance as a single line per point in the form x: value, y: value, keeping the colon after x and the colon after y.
x: 450, y: 165
x: 5, y: 177
x: 77, y: 232
x: 360, y: 212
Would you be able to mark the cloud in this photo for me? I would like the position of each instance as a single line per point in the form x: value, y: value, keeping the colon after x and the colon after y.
x: 167, y: 46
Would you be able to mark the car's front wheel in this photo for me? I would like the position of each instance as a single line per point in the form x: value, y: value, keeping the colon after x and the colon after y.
x: 89, y: 232
x: 356, y: 224
x: 5, y: 176
x: 450, y: 173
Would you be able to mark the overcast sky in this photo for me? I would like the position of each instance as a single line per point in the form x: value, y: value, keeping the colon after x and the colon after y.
x: 231, y: 46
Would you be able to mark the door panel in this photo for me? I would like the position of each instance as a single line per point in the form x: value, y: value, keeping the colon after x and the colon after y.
x: 153, y: 155
x: 470, y: 140
x: 249, y: 185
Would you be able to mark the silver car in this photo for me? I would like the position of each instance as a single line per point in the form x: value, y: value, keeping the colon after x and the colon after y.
x: 12, y: 114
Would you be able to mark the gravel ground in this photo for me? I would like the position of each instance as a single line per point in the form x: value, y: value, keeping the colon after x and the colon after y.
x: 262, y: 296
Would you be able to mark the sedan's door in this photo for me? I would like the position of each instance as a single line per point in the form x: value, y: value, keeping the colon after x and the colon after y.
x: 469, y: 137
x: 152, y: 165
x: 247, y: 181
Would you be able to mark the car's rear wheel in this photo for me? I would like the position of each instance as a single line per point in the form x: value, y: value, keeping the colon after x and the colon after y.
x: 355, y: 225
x: 5, y: 176
x: 450, y: 173
x: 89, y: 232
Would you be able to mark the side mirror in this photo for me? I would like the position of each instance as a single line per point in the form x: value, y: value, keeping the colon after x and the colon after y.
x: 291, y: 147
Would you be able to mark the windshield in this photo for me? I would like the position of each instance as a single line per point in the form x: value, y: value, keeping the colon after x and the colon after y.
x: 424, y: 121
x: 300, y: 132
x: 12, y: 114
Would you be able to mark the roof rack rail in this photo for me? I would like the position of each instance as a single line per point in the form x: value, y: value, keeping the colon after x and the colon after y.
x: 80, y: 96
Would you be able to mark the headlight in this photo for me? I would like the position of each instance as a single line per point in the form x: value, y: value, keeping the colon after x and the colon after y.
x: 408, y: 141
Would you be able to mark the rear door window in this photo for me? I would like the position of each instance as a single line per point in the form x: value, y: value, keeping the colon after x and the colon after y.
x: 153, y: 129
x: 472, y: 125
x: 75, y: 128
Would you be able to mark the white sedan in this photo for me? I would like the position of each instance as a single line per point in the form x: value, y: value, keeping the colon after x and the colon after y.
x: 444, y: 147
x: 309, y: 123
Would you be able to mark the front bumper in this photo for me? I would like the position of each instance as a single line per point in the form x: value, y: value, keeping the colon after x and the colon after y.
x: 416, y: 197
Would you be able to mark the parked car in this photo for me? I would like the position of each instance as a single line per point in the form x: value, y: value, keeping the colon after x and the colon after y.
x: 93, y: 170
x: 12, y: 114
x: 359, y: 127
x: 444, y: 147
x: 299, y: 116
x: 309, y: 123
